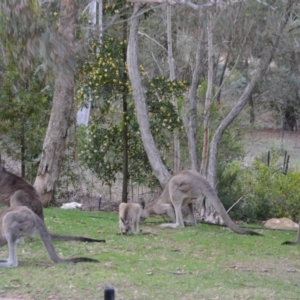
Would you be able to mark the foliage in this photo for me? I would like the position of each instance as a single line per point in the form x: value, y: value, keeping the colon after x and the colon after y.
x: 266, y: 191
x: 101, y: 147
x: 274, y: 193
x: 25, y: 108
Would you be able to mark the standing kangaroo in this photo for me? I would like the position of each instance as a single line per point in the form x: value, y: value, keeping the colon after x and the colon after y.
x: 15, y: 191
x: 19, y: 221
x: 183, y: 188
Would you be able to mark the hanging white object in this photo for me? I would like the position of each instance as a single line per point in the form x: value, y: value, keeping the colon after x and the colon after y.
x: 83, y: 114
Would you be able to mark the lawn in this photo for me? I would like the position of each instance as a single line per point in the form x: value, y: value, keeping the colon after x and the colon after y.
x: 202, y: 262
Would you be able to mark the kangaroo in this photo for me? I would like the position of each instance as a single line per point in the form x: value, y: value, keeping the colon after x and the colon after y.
x: 15, y: 191
x: 183, y: 188
x: 129, y: 216
x: 19, y: 221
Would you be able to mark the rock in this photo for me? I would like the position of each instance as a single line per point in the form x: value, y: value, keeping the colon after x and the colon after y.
x: 281, y: 223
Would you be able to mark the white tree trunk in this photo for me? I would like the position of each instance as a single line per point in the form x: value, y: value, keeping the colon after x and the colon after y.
x: 160, y: 171
x: 100, y: 16
x: 83, y: 114
x: 206, y: 122
x: 172, y: 77
x: 191, y: 99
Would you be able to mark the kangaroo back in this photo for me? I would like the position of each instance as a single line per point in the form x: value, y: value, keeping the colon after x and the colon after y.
x: 129, y: 216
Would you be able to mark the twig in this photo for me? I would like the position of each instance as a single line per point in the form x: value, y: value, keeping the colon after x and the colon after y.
x: 238, y: 200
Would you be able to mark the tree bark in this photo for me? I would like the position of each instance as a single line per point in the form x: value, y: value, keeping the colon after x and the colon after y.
x: 191, y: 99
x: 172, y: 77
x: 62, y: 108
x: 125, y: 122
x: 206, y: 122
x: 160, y: 171
x: 218, y: 96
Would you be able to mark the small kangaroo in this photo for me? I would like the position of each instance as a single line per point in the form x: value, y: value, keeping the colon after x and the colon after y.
x: 129, y: 217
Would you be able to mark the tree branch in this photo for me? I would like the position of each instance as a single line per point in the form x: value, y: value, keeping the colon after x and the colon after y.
x: 195, y: 6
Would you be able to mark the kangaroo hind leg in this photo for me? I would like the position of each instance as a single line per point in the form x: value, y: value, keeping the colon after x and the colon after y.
x: 12, y: 260
x: 191, y: 219
x: 176, y: 199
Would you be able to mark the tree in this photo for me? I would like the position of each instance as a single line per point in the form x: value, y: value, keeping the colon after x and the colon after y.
x: 25, y: 107
x: 26, y: 87
x: 172, y: 77
x: 266, y: 55
x: 63, y: 106
x: 101, y: 148
x: 159, y: 169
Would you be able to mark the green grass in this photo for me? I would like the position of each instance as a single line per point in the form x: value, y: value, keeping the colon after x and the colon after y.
x: 202, y: 262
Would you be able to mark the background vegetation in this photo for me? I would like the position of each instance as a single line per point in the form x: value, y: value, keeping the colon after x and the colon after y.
x: 27, y: 81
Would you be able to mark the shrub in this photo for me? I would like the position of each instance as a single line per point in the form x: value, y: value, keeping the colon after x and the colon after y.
x: 267, y: 191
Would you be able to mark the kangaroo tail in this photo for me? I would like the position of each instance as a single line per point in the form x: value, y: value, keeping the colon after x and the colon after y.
x: 75, y: 238
x: 289, y: 243
x: 76, y: 260
x: 250, y: 232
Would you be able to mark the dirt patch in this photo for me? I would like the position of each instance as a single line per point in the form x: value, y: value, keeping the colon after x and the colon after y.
x: 259, y: 142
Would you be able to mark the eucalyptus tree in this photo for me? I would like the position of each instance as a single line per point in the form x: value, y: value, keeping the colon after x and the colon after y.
x: 62, y: 107
x: 26, y: 90
x: 25, y: 102
x: 101, y: 148
x: 274, y: 20
x: 47, y: 32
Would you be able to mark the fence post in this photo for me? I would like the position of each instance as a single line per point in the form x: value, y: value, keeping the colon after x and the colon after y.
x: 99, y: 203
x: 109, y: 293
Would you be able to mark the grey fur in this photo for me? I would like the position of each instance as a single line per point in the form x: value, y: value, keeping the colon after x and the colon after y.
x: 183, y: 188
x: 17, y: 222
x: 15, y: 191
x: 129, y: 217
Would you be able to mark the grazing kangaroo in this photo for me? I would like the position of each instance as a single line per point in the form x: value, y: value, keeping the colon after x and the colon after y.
x: 183, y: 188
x: 129, y: 217
x: 15, y: 191
x: 19, y: 221
x: 297, y: 239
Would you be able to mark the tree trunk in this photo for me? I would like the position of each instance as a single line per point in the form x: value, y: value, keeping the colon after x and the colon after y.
x: 206, y: 123
x: 172, y: 77
x: 100, y: 17
x: 191, y: 100
x: 23, y: 150
x: 125, y: 123
x: 160, y: 171
x: 218, y: 96
x: 62, y: 108
x: 251, y: 104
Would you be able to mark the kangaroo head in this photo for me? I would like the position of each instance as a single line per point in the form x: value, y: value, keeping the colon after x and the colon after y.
x: 125, y: 225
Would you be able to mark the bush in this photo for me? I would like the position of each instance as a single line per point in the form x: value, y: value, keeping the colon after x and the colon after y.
x: 267, y: 192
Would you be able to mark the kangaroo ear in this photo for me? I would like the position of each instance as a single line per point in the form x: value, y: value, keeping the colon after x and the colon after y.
x: 123, y: 221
